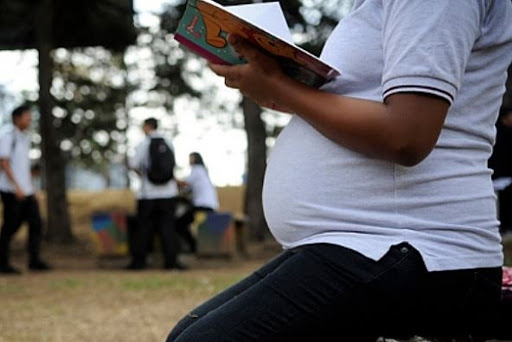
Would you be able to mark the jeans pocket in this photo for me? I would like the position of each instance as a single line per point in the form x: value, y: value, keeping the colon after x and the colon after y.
x: 398, y: 255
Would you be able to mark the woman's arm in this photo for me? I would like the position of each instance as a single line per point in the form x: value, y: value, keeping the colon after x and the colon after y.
x: 403, y: 129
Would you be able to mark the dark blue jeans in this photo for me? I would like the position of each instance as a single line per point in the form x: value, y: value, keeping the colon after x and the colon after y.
x: 324, y: 293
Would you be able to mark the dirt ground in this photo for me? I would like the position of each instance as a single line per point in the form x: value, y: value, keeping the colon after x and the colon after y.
x: 86, y: 298
x: 91, y: 298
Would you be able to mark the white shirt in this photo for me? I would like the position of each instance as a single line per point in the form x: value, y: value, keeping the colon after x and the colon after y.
x: 140, y: 161
x: 204, y: 193
x: 19, y: 160
x: 317, y: 191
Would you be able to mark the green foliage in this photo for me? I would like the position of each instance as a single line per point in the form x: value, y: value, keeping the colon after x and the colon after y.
x: 170, y: 60
x: 90, y: 114
x: 5, y: 98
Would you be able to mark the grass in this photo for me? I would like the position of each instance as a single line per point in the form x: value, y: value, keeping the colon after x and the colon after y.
x: 108, y: 304
x: 87, y: 298
x: 80, y: 301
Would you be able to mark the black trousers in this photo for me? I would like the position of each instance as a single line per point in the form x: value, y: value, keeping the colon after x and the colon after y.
x: 184, y: 221
x: 155, y: 216
x: 15, y: 213
x: 322, y: 292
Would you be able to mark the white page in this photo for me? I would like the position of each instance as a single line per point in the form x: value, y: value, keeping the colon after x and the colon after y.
x: 268, y: 16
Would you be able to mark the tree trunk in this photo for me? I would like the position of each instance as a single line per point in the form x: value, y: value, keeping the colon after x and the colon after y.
x: 257, y: 159
x: 58, y: 222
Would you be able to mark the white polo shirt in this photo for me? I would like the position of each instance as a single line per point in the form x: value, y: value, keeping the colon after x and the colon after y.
x: 204, y: 193
x: 140, y: 161
x: 15, y: 146
x: 317, y: 191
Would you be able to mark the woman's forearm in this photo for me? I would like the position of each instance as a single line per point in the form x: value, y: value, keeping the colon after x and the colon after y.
x: 402, y: 130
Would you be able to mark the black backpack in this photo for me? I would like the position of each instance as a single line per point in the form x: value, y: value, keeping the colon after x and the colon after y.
x: 161, y: 165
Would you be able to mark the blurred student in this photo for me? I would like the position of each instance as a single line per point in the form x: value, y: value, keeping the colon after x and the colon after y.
x: 501, y: 163
x: 203, y: 197
x: 17, y: 192
x: 378, y: 188
x: 155, y: 199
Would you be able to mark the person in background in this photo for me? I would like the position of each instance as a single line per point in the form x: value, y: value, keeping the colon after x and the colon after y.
x: 203, y: 193
x: 501, y: 164
x: 17, y: 192
x: 155, y: 207
x: 378, y: 188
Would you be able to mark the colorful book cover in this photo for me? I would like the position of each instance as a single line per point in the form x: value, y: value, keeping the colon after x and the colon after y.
x: 206, y: 24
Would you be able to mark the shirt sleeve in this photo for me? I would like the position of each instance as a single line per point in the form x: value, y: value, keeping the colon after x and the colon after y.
x: 193, y: 176
x: 136, y: 161
x: 6, y: 145
x: 427, y: 44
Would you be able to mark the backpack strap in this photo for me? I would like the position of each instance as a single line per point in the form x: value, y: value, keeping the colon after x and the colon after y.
x: 144, y: 169
x: 147, y: 160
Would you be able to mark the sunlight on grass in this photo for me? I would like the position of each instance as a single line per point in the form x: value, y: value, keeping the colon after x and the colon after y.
x: 7, y: 288
x: 65, y: 284
x: 105, y: 305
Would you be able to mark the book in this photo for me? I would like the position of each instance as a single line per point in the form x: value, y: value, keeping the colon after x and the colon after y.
x: 205, y: 26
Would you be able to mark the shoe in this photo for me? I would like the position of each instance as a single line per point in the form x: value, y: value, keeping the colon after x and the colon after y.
x: 9, y: 270
x: 136, y: 266
x: 39, y: 266
x: 178, y: 266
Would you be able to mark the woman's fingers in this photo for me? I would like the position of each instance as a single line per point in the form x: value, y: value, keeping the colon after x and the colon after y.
x: 243, y: 48
x: 231, y: 74
x: 254, y: 78
x: 223, y: 70
x: 231, y: 83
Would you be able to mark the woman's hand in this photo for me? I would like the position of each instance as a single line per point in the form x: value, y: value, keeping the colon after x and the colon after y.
x: 257, y: 79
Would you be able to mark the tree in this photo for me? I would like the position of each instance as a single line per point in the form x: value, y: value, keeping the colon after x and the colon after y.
x: 257, y: 155
x: 59, y: 223
x: 90, y: 91
x: 45, y: 25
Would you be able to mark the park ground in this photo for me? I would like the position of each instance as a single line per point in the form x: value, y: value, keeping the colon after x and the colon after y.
x: 89, y: 297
